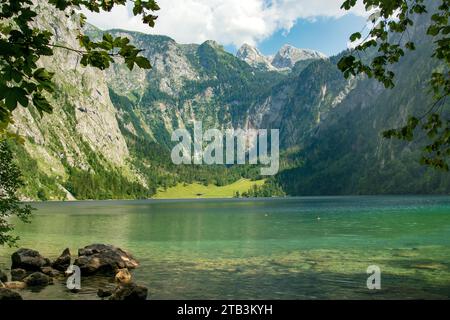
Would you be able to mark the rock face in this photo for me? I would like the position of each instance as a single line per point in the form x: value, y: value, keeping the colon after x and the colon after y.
x: 38, y: 279
x: 8, y: 294
x: 28, y: 259
x: 18, y: 274
x: 63, y: 261
x: 83, y: 120
x: 101, y: 258
x: 129, y: 291
x: 49, y: 271
x: 3, y: 276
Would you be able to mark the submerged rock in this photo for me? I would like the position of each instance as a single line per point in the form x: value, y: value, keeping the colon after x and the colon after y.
x: 18, y: 274
x: 3, y: 276
x: 38, y: 279
x: 123, y: 276
x: 63, y: 261
x: 102, y: 293
x: 101, y: 258
x: 8, y: 294
x: 28, y: 259
x: 130, y: 291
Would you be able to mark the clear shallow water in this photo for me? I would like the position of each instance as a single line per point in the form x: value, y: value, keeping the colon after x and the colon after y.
x: 256, y: 249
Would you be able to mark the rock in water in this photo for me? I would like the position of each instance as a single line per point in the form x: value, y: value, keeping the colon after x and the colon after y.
x: 18, y: 274
x: 130, y: 291
x: 38, y: 279
x: 49, y: 271
x: 104, y: 293
x: 28, y: 259
x: 63, y: 261
x: 3, y: 276
x: 15, y: 285
x: 104, y: 259
x: 123, y: 276
x: 8, y: 294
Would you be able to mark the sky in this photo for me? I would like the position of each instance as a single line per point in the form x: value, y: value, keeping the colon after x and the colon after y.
x: 267, y: 24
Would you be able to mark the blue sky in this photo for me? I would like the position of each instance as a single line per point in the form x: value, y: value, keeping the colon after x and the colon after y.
x: 327, y: 35
x: 266, y: 24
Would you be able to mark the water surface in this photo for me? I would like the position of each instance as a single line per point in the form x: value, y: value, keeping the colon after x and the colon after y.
x: 295, y: 248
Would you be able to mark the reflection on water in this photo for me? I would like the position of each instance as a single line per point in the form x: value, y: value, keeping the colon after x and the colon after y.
x: 299, y: 248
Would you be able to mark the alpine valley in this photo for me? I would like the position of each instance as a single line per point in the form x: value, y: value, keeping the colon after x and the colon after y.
x: 109, y: 134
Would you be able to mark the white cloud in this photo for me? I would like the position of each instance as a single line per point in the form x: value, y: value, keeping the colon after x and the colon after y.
x: 226, y: 21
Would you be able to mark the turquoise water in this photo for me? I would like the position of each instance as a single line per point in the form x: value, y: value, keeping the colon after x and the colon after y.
x: 295, y: 248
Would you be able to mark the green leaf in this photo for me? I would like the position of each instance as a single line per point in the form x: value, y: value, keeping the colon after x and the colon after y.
x: 15, y: 95
x: 143, y: 62
x: 355, y: 36
x: 41, y: 103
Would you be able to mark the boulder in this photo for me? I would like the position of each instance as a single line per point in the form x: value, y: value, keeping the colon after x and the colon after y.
x: 123, y: 276
x: 38, y: 279
x: 101, y: 293
x: 130, y: 291
x: 18, y: 274
x: 8, y: 294
x: 15, y: 285
x: 49, y: 271
x: 28, y: 259
x: 3, y: 276
x: 63, y: 261
x: 101, y: 258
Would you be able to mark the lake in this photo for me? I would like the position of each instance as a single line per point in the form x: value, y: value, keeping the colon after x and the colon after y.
x: 292, y: 248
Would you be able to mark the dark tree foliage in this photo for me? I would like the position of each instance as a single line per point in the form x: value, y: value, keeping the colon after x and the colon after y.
x: 10, y: 182
x: 389, y: 37
x: 21, y: 46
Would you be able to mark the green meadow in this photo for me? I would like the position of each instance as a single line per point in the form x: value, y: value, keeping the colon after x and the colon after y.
x: 196, y: 190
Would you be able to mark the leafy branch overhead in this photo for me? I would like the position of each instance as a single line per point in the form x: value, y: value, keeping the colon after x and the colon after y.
x: 389, y: 38
x: 22, y: 82
x: 10, y: 182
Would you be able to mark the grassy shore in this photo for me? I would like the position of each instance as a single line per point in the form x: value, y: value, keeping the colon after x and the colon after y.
x: 196, y: 190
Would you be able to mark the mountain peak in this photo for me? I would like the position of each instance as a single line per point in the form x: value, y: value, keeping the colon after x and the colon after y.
x: 285, y: 58
x: 289, y: 55
x: 254, y: 57
x: 213, y: 44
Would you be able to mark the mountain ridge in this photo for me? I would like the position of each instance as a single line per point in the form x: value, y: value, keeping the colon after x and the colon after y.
x: 284, y: 60
x: 109, y: 136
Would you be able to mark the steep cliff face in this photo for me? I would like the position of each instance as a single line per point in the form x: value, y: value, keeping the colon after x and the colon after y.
x: 347, y: 154
x: 83, y: 124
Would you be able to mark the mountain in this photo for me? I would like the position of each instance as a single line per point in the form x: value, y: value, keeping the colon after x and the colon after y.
x: 288, y: 56
x: 81, y: 136
x: 254, y: 57
x: 284, y: 60
x: 109, y: 135
x: 346, y: 153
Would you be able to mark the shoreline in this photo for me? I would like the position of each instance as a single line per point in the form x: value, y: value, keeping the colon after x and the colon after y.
x: 238, y: 199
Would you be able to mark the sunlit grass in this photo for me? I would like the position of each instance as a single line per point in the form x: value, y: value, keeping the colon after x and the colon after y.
x: 196, y: 190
